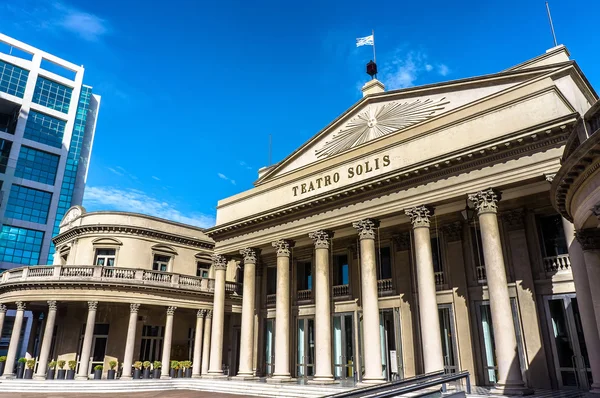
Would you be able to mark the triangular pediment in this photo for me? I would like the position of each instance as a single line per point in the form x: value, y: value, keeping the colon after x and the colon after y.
x: 389, y: 113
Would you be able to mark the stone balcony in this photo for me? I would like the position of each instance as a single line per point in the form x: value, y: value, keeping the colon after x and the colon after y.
x: 111, y: 276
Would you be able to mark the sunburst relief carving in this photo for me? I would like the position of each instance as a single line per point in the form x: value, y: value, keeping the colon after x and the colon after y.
x: 378, y: 120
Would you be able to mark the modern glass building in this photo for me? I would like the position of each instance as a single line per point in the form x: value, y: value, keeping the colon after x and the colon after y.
x: 47, y: 123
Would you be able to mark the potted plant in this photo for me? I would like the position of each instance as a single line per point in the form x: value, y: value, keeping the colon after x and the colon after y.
x: 29, y: 371
x: 173, y: 369
x: 146, y: 366
x: 112, y: 372
x: 61, y: 369
x: 98, y: 372
x: 180, y: 365
x: 137, y: 369
x: 21, y: 367
x: 51, y: 370
x: 2, y: 363
x: 71, y: 371
x: 188, y: 369
x: 157, y: 365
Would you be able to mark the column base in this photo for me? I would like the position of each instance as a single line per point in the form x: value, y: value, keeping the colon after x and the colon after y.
x: 370, y: 382
x: 323, y: 381
x: 126, y: 377
x: 39, y: 377
x: 245, y: 377
x: 165, y: 377
x: 196, y: 376
x: 594, y: 389
x: 79, y: 377
x: 280, y: 379
x: 215, y: 375
x: 8, y: 376
x: 512, y: 390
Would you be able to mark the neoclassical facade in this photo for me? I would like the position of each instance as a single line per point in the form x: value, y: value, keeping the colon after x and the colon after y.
x: 123, y: 287
x: 416, y: 233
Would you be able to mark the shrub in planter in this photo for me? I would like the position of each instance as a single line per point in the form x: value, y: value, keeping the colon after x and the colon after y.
x: 29, y: 370
x: 180, y: 369
x: 21, y: 367
x: 173, y: 369
x: 146, y: 366
x: 157, y: 365
x: 98, y: 372
x: 61, y: 369
x: 2, y: 363
x: 112, y: 371
x: 137, y: 369
x: 51, y: 370
x: 187, y: 365
x: 71, y: 371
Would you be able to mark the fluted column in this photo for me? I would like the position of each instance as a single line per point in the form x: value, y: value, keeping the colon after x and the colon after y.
x: 282, y: 311
x: 13, y: 345
x: 247, y: 328
x: 431, y: 340
x: 130, y: 341
x: 167, y: 340
x: 88, y: 338
x: 46, y: 341
x: 585, y: 303
x: 370, y: 301
x: 322, y: 288
x: 216, y: 346
x: 197, y: 359
x: 590, y: 243
x: 206, y: 342
x: 510, y: 381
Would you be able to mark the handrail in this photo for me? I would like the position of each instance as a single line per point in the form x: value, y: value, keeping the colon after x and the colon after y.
x: 395, y: 383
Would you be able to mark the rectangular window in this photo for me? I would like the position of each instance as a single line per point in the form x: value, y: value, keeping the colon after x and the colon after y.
x: 304, y: 275
x: 384, y: 263
x: 37, y: 165
x: 552, y: 235
x: 44, y: 129
x: 160, y: 263
x: 5, y: 147
x: 52, y: 95
x: 28, y: 204
x: 13, y: 79
x: 477, y: 244
x: 341, y: 269
x: 20, y: 245
x: 202, y: 269
x: 105, y: 257
x: 271, y: 280
x: 436, y: 252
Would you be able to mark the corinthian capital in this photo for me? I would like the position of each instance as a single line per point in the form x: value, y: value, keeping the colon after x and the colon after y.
x: 134, y: 308
x: 419, y: 216
x: 283, y: 247
x: 485, y: 201
x: 366, y: 228
x: 52, y: 305
x: 20, y: 306
x: 209, y: 313
x: 219, y: 262
x: 321, y: 238
x: 3, y: 308
x: 250, y: 255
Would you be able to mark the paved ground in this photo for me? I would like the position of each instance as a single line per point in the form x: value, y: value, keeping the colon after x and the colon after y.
x: 149, y: 394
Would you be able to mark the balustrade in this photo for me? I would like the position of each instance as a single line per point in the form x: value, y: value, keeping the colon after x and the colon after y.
x: 554, y: 264
x: 304, y: 295
x: 271, y: 299
x: 439, y: 278
x: 481, y: 276
x: 341, y: 290
x: 384, y: 286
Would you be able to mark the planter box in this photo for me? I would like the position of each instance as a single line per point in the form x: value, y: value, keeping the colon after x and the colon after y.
x: 146, y: 373
x: 156, y: 373
x: 28, y: 373
x: 61, y: 374
x: 20, y: 370
x: 111, y: 374
x: 50, y: 374
x: 97, y: 374
x: 188, y: 373
x: 71, y: 374
x: 179, y: 373
x: 2, y: 368
x: 172, y: 373
x: 137, y: 373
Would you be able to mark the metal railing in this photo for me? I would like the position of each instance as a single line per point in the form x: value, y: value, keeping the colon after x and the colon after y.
x: 559, y: 263
x: 128, y: 276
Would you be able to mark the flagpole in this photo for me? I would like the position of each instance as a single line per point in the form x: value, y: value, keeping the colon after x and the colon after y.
x: 374, y: 57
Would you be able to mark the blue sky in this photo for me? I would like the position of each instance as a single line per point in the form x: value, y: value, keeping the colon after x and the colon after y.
x: 191, y: 90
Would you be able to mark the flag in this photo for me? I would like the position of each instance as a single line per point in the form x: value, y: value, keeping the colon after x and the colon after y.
x: 365, y: 41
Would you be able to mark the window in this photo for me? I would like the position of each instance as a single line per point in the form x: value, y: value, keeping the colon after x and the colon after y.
x: 384, y: 263
x: 202, y: 269
x: 20, y: 245
x: 341, y: 270
x: 477, y: 244
x: 436, y: 252
x: 271, y: 280
x: 105, y: 257
x: 37, y: 165
x: 13, y: 79
x: 28, y: 204
x: 52, y: 95
x: 160, y: 263
x: 304, y: 275
x: 5, y: 147
x: 44, y: 129
x: 552, y: 236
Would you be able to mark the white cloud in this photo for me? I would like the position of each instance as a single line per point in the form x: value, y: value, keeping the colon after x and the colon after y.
x: 406, y: 67
x: 155, y: 178
x: 88, y: 26
x: 224, y: 177
x: 115, y: 171
x: 133, y: 200
x: 428, y: 67
x: 245, y: 165
x: 443, y: 70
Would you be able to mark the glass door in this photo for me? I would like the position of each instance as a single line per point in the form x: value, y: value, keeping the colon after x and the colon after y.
x: 151, y: 345
x: 343, y: 347
x: 568, y: 345
x: 269, y: 341
x: 448, y: 335
x: 305, y: 363
x: 99, y: 341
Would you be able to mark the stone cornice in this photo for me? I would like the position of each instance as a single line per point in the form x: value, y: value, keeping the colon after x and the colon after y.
x: 520, y: 144
x: 111, y: 229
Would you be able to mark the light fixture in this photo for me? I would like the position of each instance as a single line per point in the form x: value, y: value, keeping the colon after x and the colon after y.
x: 468, y: 213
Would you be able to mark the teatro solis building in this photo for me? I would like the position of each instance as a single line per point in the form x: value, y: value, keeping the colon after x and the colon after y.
x: 415, y: 233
